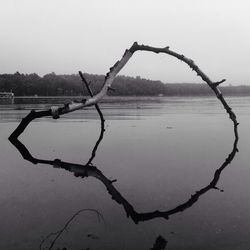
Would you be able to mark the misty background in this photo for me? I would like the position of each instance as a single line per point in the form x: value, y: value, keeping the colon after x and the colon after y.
x: 66, y: 36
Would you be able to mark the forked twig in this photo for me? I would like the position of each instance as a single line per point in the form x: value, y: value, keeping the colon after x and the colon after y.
x: 101, y: 118
x: 91, y: 94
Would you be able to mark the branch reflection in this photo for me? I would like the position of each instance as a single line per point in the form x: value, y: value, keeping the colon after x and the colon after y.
x: 88, y: 170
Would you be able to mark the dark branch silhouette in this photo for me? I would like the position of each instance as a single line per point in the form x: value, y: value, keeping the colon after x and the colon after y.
x: 101, y: 118
x: 55, y: 111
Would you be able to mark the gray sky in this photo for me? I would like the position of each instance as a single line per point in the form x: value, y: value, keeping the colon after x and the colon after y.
x: 65, y: 36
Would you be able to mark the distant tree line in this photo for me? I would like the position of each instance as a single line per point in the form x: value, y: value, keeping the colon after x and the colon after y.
x: 71, y: 85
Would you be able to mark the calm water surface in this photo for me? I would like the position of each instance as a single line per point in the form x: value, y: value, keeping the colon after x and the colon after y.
x: 160, y: 152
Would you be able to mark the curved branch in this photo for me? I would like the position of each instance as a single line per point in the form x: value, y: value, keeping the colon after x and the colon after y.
x: 26, y: 121
x: 55, y: 112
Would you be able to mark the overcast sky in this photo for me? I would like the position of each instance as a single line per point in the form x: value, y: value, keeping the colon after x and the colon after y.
x: 64, y: 36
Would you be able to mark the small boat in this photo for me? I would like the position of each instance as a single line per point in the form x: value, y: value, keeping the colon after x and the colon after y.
x: 8, y: 95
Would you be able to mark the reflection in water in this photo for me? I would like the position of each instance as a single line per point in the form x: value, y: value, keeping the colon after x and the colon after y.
x: 160, y: 243
x: 6, y: 101
x: 85, y: 171
x: 89, y: 170
x: 57, y: 234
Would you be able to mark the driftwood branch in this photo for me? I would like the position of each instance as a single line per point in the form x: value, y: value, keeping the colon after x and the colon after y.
x: 55, y: 112
x: 27, y: 155
x: 89, y: 170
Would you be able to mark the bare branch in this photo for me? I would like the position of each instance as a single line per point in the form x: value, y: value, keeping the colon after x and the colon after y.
x: 218, y: 83
x: 101, y: 118
x: 27, y: 119
x: 91, y: 94
x: 86, y: 83
x: 110, y: 76
x: 136, y: 47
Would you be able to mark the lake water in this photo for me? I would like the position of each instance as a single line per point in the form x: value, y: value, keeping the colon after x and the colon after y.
x: 162, y: 154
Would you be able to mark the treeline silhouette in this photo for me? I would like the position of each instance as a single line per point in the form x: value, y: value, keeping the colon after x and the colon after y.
x: 71, y: 85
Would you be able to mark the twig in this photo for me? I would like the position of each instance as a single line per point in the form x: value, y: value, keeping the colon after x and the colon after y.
x: 218, y: 83
x: 101, y: 118
x: 91, y: 94
x: 59, y: 232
